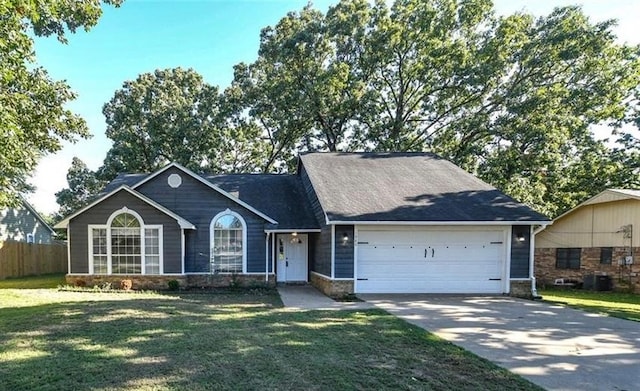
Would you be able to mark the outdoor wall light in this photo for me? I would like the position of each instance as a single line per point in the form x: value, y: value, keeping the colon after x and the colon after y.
x: 520, y: 237
x: 345, y: 237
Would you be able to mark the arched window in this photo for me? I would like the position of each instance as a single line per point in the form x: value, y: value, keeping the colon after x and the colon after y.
x: 228, y: 234
x: 126, y: 250
x: 125, y: 245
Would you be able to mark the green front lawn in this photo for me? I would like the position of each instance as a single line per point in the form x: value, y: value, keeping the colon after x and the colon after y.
x: 620, y: 305
x: 52, y: 340
x: 33, y: 282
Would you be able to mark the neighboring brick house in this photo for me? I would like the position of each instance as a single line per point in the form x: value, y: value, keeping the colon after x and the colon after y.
x: 600, y: 236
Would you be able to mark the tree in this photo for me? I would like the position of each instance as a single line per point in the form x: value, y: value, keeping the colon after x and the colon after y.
x: 511, y: 99
x: 33, y: 119
x: 304, y: 89
x: 172, y: 115
x: 83, y: 188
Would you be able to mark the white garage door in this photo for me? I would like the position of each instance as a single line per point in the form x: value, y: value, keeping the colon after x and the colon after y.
x: 430, y: 261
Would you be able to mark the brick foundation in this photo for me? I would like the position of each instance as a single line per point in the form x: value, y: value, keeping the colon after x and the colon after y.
x: 185, y: 281
x: 521, y: 288
x: 331, y: 288
x: 624, y: 277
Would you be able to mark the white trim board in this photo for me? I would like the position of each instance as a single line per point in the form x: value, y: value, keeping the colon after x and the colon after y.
x: 465, y: 223
x: 184, y: 224
x: 288, y: 231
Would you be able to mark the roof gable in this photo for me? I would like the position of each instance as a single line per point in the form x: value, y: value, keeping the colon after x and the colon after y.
x: 147, y: 178
x: 406, y: 187
x: 37, y: 215
x: 608, y: 195
x: 184, y: 224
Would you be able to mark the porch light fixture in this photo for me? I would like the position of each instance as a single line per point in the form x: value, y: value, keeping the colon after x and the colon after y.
x: 345, y: 237
x: 520, y: 237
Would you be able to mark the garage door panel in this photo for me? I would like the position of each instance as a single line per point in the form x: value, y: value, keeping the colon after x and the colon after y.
x: 428, y: 261
x: 443, y: 285
x: 466, y: 252
x: 385, y: 253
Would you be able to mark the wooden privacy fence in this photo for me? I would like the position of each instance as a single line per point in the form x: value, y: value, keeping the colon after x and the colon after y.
x: 19, y: 259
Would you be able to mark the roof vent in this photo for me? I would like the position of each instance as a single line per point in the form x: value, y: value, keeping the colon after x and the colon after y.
x: 174, y: 180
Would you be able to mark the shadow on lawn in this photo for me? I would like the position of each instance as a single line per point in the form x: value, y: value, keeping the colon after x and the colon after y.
x: 198, y: 341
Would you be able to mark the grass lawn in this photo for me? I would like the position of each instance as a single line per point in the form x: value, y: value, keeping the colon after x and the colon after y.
x: 52, y: 340
x: 33, y: 282
x: 620, y: 305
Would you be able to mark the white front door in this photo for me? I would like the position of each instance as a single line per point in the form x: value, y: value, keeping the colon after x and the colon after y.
x: 292, y: 257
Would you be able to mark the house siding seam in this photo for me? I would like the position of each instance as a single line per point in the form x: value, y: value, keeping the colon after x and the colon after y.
x: 100, y: 213
x: 344, y: 251
x: 520, y: 251
x: 198, y: 203
x: 320, y: 243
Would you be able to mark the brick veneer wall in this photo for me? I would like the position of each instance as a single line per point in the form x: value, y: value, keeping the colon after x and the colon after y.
x: 162, y: 282
x: 521, y: 288
x: 331, y: 288
x: 622, y: 276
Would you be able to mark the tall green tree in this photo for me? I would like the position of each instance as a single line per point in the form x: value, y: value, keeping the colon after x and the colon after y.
x: 511, y: 99
x: 172, y: 115
x: 83, y: 186
x: 304, y: 89
x: 33, y: 117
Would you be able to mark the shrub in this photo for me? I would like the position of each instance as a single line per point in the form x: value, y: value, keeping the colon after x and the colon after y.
x: 105, y: 286
x: 126, y: 285
x: 174, y: 285
x: 234, y: 282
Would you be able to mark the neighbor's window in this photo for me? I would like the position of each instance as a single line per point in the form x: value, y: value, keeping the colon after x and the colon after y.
x: 227, y: 252
x: 568, y: 258
x: 606, y: 255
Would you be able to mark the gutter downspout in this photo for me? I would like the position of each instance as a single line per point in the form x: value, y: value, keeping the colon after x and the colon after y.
x: 532, y: 249
x: 266, y: 259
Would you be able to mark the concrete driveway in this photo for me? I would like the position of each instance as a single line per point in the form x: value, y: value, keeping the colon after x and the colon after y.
x: 555, y: 347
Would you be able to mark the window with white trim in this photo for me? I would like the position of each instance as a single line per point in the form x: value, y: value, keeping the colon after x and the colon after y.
x: 152, y: 250
x: 125, y: 245
x: 100, y: 254
x: 228, y: 231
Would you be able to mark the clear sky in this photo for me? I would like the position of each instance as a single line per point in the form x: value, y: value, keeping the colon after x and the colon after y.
x: 209, y: 36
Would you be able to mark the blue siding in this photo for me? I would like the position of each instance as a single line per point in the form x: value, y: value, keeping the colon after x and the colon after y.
x: 520, y: 251
x: 199, y: 204
x: 344, y: 251
x: 100, y: 213
x: 17, y: 223
x: 320, y: 243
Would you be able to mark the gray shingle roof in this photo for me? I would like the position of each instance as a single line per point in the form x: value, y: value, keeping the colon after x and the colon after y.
x: 280, y: 197
x: 406, y: 187
x: 122, y: 179
x: 276, y: 195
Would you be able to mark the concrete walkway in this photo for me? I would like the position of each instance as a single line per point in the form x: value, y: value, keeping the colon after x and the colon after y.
x: 306, y: 297
x: 553, y: 346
